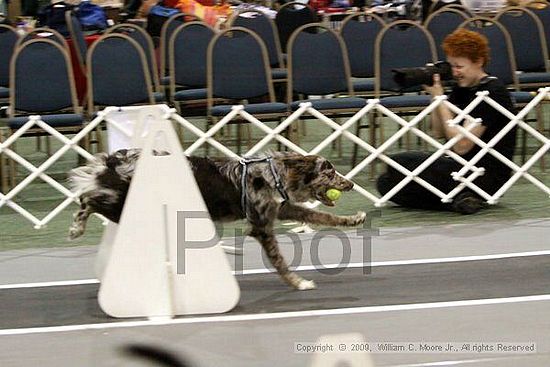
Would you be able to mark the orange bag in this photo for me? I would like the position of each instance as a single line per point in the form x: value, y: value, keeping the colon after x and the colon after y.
x: 208, y: 14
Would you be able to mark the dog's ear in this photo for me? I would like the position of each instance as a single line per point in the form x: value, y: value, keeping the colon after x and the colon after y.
x: 101, y: 157
x: 302, y: 168
x: 319, y: 162
x: 324, y: 165
x: 297, y: 161
x: 321, y: 165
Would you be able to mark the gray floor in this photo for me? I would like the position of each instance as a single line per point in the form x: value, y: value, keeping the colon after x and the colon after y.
x: 467, y: 284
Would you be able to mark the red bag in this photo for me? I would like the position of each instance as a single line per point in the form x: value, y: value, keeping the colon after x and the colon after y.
x: 319, y: 4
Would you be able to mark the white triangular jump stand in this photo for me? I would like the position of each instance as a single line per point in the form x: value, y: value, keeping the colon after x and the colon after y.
x: 158, y: 262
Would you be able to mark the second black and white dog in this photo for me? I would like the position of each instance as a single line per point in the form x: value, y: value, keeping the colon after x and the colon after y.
x: 260, y: 190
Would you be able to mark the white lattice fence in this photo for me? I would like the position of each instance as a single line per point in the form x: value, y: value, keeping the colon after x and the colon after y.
x: 465, y: 176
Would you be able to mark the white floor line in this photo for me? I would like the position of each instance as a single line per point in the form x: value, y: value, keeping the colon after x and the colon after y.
x: 463, y: 361
x: 447, y: 363
x: 313, y: 267
x: 440, y: 363
x: 273, y: 316
x: 406, y: 262
x: 58, y: 283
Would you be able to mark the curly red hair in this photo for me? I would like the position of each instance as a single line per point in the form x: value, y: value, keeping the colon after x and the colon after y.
x: 469, y: 44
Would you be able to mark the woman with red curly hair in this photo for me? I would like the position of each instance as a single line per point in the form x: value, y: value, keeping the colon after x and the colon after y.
x: 468, y: 54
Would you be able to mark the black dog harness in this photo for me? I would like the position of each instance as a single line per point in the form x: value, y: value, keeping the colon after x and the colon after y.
x: 245, y: 162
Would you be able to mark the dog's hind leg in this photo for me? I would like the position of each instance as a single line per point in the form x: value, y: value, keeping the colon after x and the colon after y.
x: 271, y: 248
x: 80, y: 218
x: 289, y: 211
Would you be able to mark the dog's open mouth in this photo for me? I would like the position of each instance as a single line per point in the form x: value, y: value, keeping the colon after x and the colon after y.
x: 325, y: 200
x: 328, y: 191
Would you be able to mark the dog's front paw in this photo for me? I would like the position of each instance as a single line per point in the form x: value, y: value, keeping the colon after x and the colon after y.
x: 75, y: 232
x: 305, y: 285
x: 359, y: 218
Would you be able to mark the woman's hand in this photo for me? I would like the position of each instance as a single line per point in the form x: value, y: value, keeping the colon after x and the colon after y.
x: 441, y: 114
x: 437, y: 88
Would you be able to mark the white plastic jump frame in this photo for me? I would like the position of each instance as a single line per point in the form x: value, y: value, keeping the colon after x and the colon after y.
x: 159, y: 261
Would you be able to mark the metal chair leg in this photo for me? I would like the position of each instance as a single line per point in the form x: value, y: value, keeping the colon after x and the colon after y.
x: 540, y: 128
x: 4, y: 184
x: 12, y: 176
x: 355, y: 146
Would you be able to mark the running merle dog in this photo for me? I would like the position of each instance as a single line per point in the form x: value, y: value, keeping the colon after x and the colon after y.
x: 260, y: 190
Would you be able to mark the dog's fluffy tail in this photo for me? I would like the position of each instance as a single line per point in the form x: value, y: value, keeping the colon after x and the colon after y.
x: 83, y: 179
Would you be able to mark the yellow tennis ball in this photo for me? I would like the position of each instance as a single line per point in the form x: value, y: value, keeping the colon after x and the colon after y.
x: 333, y: 194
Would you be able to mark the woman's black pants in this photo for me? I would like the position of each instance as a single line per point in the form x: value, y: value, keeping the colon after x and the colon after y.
x: 413, y: 195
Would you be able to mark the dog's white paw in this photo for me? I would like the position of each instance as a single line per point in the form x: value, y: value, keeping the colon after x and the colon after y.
x: 305, y: 285
x: 75, y: 232
x: 357, y: 219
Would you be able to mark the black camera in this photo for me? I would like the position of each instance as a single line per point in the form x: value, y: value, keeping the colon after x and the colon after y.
x: 412, y: 77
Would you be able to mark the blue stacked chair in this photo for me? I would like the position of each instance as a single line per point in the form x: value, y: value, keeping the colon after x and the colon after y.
x: 145, y: 41
x: 443, y: 22
x: 502, y: 63
x: 187, y: 49
x: 79, y: 41
x: 238, y: 72
x: 117, y: 73
x: 290, y: 17
x: 400, y: 44
x: 264, y: 27
x: 541, y: 9
x: 318, y: 66
x: 49, y: 93
x: 166, y: 32
x: 530, y: 53
x: 359, y: 33
x: 8, y: 40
